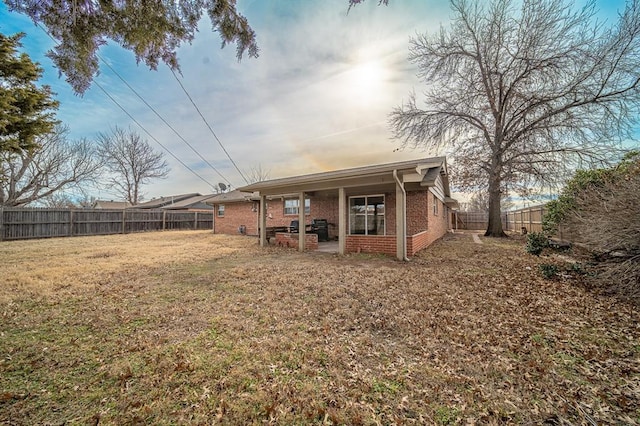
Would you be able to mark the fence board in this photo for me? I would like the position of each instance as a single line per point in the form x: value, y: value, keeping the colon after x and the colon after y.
x: 473, y: 220
x: 514, y: 220
x: 529, y: 218
x: 28, y: 223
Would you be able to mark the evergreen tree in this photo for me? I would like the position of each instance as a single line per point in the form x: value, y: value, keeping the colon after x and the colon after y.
x: 152, y: 30
x: 26, y: 110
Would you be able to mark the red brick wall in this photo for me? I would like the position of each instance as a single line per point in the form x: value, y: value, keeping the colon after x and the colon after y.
x: 321, y: 208
x: 438, y: 224
x: 236, y: 214
x: 423, y: 227
x: 385, y: 244
x: 240, y: 213
x: 417, y: 242
x: 285, y: 239
x: 390, y: 214
x: 417, y: 210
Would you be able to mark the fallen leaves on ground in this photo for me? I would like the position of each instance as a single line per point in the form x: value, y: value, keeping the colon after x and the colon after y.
x: 196, y: 328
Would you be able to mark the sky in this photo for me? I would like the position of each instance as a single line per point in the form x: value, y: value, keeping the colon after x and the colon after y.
x: 316, y: 99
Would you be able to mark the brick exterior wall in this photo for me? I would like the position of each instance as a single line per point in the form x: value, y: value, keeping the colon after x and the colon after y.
x: 241, y: 213
x: 321, y: 208
x: 423, y: 225
x: 385, y: 244
x: 438, y: 223
x: 285, y: 239
x: 235, y: 215
x: 417, y: 242
x: 417, y: 209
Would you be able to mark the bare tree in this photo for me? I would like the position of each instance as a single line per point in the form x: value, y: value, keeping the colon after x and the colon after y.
x: 479, y: 202
x: 519, y: 95
x: 57, y: 200
x: 131, y: 161
x: 86, y: 201
x: 258, y: 174
x: 59, y: 164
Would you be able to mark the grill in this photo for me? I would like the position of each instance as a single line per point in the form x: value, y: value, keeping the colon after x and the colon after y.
x: 318, y: 226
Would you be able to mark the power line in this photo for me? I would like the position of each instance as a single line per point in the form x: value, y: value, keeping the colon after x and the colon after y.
x: 210, y: 129
x: 163, y: 120
x: 151, y: 136
x: 140, y: 125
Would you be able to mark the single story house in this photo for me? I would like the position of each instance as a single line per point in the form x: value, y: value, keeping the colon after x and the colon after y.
x: 396, y: 208
x: 180, y: 202
x: 235, y: 212
x: 111, y: 205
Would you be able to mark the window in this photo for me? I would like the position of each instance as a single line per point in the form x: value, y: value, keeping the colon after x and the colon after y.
x: 435, y: 205
x: 291, y: 206
x: 366, y: 215
x: 220, y: 210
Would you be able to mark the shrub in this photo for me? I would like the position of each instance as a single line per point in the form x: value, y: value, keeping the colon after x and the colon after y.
x: 600, y: 210
x: 536, y: 242
x: 548, y: 270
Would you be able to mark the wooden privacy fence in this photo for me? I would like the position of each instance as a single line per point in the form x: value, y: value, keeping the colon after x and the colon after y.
x: 472, y: 220
x: 27, y: 223
x: 528, y: 217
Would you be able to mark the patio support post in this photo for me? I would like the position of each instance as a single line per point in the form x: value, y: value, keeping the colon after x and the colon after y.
x: 302, y: 226
x: 342, y: 221
x: 262, y: 220
x: 401, y: 219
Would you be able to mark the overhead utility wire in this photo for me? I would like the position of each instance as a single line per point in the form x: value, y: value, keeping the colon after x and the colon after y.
x: 163, y: 120
x: 140, y: 125
x: 153, y: 137
x: 210, y: 129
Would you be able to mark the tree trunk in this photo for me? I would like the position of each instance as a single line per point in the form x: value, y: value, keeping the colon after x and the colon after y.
x: 494, y: 228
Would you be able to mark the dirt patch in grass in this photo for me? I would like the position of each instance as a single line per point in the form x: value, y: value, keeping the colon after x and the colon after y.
x: 196, y: 328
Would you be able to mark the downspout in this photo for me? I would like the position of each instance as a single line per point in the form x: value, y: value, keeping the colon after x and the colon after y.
x: 404, y: 211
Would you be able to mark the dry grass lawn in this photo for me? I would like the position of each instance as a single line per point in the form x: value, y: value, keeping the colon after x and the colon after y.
x: 196, y: 328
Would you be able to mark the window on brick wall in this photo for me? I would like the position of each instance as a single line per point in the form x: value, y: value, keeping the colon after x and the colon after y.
x: 366, y: 215
x: 435, y: 205
x: 220, y: 210
x: 291, y: 206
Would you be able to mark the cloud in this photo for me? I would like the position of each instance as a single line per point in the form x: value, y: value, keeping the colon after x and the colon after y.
x: 316, y: 99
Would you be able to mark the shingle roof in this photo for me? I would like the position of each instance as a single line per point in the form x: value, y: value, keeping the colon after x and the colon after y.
x: 163, y: 201
x: 116, y: 205
x: 191, y: 202
x: 343, y: 173
x: 229, y: 197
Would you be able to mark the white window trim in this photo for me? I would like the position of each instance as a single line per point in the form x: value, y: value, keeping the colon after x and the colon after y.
x: 307, y: 208
x: 384, y: 200
x: 220, y: 210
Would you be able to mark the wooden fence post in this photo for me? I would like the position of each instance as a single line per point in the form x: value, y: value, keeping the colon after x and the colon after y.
x: 124, y: 219
x: 195, y: 226
x: 164, y: 220
x: 1, y: 223
x: 71, y: 222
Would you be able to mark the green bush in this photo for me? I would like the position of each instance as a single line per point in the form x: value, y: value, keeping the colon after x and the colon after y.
x: 548, y: 270
x: 559, y: 210
x: 536, y: 242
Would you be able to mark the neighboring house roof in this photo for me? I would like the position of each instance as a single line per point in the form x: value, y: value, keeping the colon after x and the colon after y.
x: 229, y: 197
x: 115, y: 205
x: 157, y: 203
x: 196, y: 202
x: 414, y: 174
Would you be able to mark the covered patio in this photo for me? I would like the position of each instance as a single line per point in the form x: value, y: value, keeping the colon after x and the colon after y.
x: 379, y: 208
